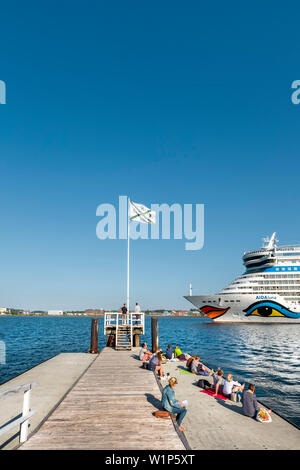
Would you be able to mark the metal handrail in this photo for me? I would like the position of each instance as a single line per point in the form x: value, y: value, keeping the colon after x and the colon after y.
x: 116, y: 319
x: 23, y: 421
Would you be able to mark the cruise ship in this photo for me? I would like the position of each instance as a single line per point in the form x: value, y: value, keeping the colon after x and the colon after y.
x: 268, y: 291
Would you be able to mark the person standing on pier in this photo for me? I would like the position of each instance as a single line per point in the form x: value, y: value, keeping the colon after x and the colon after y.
x: 124, y: 312
x: 137, y: 311
x: 172, y: 405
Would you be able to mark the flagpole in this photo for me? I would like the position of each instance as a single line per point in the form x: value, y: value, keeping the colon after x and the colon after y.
x: 128, y: 251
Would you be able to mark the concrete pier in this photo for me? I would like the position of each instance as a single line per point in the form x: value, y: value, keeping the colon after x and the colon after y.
x: 216, y: 424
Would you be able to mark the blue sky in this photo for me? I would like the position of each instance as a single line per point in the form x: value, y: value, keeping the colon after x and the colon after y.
x: 162, y: 101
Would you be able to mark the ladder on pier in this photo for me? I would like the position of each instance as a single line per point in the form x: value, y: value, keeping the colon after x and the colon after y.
x: 124, y: 337
x: 126, y: 329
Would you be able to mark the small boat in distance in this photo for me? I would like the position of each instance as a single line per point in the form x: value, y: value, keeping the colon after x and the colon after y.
x: 268, y: 291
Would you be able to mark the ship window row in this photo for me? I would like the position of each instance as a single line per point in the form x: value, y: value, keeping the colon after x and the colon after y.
x: 285, y: 281
x: 277, y: 290
x: 282, y: 276
x: 282, y: 261
x: 278, y: 287
x: 262, y: 286
x: 287, y: 254
x: 267, y: 291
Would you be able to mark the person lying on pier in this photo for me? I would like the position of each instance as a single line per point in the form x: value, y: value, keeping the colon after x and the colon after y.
x: 218, y: 382
x: 144, y: 353
x: 178, y: 354
x: 230, y: 386
x: 172, y: 405
x: 250, y: 405
x: 155, y: 364
x: 169, y: 352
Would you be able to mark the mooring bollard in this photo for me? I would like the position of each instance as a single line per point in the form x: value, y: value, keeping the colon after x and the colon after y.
x: 154, y: 333
x: 94, y: 337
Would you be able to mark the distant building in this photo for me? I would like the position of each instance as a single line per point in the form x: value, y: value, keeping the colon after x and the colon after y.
x: 94, y: 311
x: 3, y: 310
x: 55, y: 312
x: 194, y: 312
x: 179, y: 313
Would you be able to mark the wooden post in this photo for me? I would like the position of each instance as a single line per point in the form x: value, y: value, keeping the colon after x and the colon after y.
x: 94, y: 337
x: 136, y: 341
x: 154, y: 333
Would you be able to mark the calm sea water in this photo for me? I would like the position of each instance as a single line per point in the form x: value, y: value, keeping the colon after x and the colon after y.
x: 267, y: 355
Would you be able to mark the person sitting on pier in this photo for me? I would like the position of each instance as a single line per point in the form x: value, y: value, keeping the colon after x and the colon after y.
x: 250, y: 405
x: 144, y: 353
x: 218, y: 382
x: 169, y: 352
x: 230, y: 386
x: 178, y: 354
x: 197, y: 367
x: 189, y: 362
x: 172, y: 405
x: 155, y: 364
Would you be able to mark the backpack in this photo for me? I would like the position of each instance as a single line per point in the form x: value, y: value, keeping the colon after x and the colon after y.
x: 202, y: 383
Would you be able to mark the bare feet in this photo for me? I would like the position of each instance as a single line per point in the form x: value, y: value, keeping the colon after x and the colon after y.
x: 180, y: 428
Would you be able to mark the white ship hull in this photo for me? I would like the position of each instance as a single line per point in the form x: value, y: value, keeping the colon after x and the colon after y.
x: 235, y: 308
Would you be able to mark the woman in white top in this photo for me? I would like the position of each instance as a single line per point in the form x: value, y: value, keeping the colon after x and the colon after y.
x: 231, y: 386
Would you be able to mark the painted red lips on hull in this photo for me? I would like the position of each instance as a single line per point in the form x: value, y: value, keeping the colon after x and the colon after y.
x: 213, y: 312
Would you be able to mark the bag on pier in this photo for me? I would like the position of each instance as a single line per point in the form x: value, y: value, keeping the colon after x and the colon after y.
x: 202, y: 383
x: 263, y: 416
x: 162, y: 414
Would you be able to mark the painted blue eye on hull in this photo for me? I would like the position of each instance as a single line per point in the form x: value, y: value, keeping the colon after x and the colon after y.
x: 266, y: 309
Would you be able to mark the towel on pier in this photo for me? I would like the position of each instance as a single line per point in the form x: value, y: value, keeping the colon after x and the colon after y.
x: 211, y: 393
x: 184, y: 372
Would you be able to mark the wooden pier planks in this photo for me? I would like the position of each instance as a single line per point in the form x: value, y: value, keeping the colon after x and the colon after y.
x: 109, y: 408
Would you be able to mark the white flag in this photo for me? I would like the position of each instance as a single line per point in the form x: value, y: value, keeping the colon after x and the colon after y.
x: 140, y: 213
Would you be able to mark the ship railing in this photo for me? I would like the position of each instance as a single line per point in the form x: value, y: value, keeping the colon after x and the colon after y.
x: 27, y: 413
